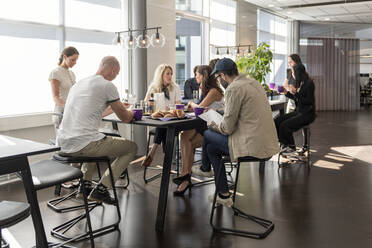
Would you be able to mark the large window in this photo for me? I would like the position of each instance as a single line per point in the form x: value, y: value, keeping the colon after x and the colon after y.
x: 222, y: 26
x: 188, y: 48
x: 40, y: 11
x: 95, y: 16
x: 195, y: 6
x: 32, y: 34
x: 273, y: 31
x: 25, y: 64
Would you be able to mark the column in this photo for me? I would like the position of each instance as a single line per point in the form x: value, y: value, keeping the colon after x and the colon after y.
x: 139, y: 71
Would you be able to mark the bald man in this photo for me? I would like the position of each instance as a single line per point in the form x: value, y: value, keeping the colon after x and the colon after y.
x: 88, y: 101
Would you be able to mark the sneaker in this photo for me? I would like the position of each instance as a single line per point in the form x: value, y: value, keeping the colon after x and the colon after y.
x: 197, y: 170
x: 288, y: 151
x: 100, y: 193
x: 222, y: 200
x: 88, y: 189
x: 68, y: 185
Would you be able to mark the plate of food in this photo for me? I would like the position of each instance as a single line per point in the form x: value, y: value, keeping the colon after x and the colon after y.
x: 176, y: 114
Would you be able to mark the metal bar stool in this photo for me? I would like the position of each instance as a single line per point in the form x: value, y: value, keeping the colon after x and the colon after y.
x: 60, y: 230
x: 266, y: 224
x: 48, y: 173
x: 304, y: 154
x: 11, y: 213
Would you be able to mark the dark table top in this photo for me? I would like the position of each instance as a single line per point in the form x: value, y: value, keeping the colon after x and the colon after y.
x: 11, y: 148
x: 146, y: 121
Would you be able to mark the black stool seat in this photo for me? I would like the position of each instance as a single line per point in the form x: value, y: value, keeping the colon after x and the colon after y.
x: 13, y: 212
x: 61, y: 173
x: 110, y: 132
x: 250, y: 159
x: 47, y: 173
x: 70, y: 159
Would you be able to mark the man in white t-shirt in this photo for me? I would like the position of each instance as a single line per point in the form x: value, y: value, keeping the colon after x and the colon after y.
x: 88, y: 101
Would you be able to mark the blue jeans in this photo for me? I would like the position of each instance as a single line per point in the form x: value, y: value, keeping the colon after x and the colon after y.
x: 215, y: 145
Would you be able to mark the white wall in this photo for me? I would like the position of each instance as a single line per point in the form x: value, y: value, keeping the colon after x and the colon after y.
x: 162, y: 13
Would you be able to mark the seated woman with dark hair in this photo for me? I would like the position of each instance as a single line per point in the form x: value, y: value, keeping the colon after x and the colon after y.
x: 212, y: 97
x: 302, y: 92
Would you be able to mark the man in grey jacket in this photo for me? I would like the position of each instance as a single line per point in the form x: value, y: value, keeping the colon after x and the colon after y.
x: 247, y: 128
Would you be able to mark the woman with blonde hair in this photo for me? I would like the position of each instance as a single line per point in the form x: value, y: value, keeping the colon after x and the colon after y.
x: 162, y: 82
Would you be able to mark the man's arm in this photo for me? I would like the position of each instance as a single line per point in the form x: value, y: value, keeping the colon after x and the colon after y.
x: 120, y: 110
x: 233, y: 100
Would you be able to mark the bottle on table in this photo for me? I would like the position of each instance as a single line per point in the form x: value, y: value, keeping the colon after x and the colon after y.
x: 151, y: 104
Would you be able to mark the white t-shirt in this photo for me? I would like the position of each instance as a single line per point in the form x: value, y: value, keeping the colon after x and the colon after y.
x: 86, y: 102
x: 174, y: 95
x: 66, y: 78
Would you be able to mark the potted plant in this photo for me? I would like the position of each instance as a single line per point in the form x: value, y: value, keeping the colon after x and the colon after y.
x: 257, y: 65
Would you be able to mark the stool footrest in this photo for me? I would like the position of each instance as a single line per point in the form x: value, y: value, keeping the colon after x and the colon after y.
x: 53, y: 204
x: 266, y: 224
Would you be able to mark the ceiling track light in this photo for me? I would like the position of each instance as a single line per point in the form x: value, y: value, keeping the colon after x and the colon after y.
x: 234, y: 50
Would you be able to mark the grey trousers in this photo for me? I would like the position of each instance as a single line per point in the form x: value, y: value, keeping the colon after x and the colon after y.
x: 121, y: 150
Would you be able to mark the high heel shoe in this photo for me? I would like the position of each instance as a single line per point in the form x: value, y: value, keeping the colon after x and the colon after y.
x: 181, y: 193
x: 179, y: 180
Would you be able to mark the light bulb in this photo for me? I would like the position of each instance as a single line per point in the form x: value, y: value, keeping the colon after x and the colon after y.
x: 117, y: 39
x: 157, y: 40
x: 129, y: 42
x: 143, y: 41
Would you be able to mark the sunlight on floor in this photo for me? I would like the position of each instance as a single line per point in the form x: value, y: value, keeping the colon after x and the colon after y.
x: 338, y: 158
x: 363, y: 153
x: 327, y: 164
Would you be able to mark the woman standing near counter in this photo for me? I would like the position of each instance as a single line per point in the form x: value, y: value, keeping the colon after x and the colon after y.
x: 61, y: 80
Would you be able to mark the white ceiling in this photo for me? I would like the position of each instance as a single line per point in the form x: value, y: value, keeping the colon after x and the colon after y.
x: 320, y: 10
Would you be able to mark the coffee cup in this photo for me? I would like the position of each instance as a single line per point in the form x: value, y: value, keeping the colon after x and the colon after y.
x: 180, y: 106
x: 137, y: 114
x: 272, y: 85
x: 280, y: 89
x: 198, y: 111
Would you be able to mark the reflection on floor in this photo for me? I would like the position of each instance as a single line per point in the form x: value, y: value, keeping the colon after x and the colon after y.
x: 327, y: 206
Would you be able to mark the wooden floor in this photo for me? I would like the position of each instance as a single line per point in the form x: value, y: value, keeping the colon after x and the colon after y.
x: 329, y: 205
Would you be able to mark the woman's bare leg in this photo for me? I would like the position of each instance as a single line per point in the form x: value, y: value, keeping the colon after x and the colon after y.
x: 191, y: 141
x: 150, y: 155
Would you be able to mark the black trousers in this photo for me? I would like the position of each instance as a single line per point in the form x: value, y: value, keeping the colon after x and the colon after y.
x: 160, y: 136
x: 289, y: 123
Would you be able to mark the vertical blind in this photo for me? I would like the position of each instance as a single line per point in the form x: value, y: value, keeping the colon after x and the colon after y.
x: 333, y: 63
